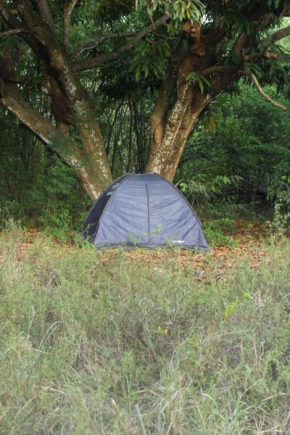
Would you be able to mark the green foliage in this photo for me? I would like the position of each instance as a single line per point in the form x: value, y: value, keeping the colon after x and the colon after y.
x: 204, y: 189
x: 237, y: 304
x: 237, y: 154
x: 110, y: 10
x: 93, y: 343
x: 37, y: 188
x: 236, y: 157
x: 219, y: 232
x: 10, y: 210
x: 199, y: 79
x: 279, y: 193
x: 179, y: 9
x: 150, y: 59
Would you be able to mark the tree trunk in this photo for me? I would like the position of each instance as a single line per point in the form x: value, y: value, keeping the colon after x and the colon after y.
x: 172, y: 125
x: 165, y: 155
x: 184, y: 94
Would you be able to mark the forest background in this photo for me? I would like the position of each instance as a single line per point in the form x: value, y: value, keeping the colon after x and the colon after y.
x: 127, y: 62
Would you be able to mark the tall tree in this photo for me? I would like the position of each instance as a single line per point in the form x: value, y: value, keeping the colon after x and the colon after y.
x: 209, y: 46
x: 236, y: 41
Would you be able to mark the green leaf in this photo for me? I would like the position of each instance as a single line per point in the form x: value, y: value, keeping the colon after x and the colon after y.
x: 200, y: 84
x: 190, y: 76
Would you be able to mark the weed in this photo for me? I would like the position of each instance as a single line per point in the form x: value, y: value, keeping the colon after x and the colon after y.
x: 95, y: 342
x: 219, y: 232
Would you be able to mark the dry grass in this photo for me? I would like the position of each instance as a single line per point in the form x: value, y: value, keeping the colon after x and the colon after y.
x: 165, y: 342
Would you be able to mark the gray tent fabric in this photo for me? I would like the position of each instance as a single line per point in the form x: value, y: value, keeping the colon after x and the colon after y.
x: 143, y: 210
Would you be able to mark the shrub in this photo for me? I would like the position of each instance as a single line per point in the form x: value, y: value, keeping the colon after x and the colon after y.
x: 219, y: 232
x: 280, y: 194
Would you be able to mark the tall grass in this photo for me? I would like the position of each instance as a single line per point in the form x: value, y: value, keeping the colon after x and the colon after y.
x: 99, y: 343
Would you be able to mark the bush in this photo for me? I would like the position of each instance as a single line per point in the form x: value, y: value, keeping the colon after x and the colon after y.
x: 219, y: 232
x: 280, y: 193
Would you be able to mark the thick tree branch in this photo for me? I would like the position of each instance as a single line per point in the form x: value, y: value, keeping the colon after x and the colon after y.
x: 266, y: 96
x: 45, y: 13
x: 218, y: 69
x: 7, y: 69
x: 242, y: 41
x: 12, y: 100
x: 66, y: 23
x: 265, y: 55
x: 162, y: 104
x: 13, y: 24
x: 88, y: 172
x: 102, y: 59
x: 48, y: 50
x: 277, y: 36
x: 239, y: 44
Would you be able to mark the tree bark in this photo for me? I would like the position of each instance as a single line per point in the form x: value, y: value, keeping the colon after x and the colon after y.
x: 165, y: 156
x: 190, y: 102
x: 71, y: 104
x: 181, y: 101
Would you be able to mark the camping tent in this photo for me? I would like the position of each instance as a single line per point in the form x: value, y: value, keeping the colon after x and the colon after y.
x: 146, y: 211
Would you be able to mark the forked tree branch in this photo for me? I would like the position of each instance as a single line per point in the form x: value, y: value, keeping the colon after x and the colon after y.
x: 263, y: 93
x: 242, y: 39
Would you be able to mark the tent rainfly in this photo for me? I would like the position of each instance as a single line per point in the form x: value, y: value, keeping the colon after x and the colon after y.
x: 145, y: 211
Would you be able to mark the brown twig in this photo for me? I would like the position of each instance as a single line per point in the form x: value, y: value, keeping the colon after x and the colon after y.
x: 11, y: 32
x: 263, y: 93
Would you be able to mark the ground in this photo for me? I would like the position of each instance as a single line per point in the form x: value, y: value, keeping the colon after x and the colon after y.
x: 164, y: 342
x: 247, y: 243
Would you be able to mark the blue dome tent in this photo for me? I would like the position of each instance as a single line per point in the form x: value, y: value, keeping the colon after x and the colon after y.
x: 144, y: 211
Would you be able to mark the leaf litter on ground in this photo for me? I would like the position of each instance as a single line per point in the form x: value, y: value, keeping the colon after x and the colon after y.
x: 249, y: 237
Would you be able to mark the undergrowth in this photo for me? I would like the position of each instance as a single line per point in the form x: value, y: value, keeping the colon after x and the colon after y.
x: 219, y: 232
x: 97, y: 343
